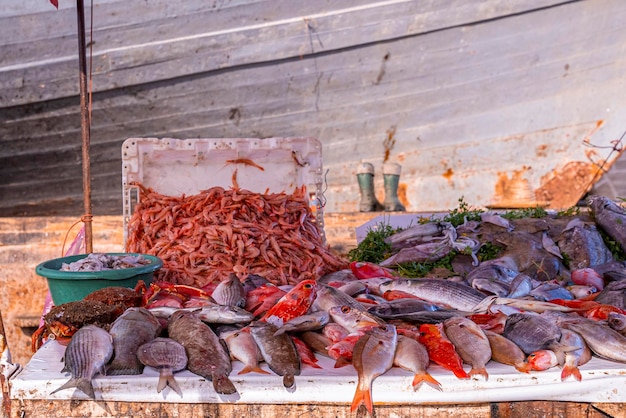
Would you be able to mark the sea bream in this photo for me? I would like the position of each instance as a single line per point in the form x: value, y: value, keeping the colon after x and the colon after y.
x: 373, y: 356
x: 136, y: 326
x: 90, y: 348
x: 168, y: 357
x: 470, y: 342
x: 533, y: 332
x: 206, y: 355
x: 412, y: 356
x: 242, y: 347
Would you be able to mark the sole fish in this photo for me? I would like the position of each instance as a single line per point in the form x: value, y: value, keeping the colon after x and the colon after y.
x: 205, y: 353
x: 89, y: 350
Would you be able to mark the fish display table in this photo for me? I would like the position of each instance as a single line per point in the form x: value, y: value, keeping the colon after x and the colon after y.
x: 327, y: 390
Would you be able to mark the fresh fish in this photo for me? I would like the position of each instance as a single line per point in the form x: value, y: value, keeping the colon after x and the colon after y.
x: 617, y: 321
x: 588, y: 277
x: 168, y: 357
x: 372, y: 356
x: 610, y: 216
x: 533, y: 333
x: 317, y: 341
x: 613, y: 294
x: 441, y: 350
x: 295, y: 303
x: 541, y: 360
x: 580, y: 291
x: 353, y: 288
x: 417, y: 234
x: 498, y: 220
x: 574, y: 358
x: 342, y: 350
x: 214, y: 314
x: 550, y: 246
x: 354, y: 319
x: 136, y: 326
x: 206, y: 355
x: 242, y: 347
x: 401, y: 307
x: 279, y: 352
x: 367, y: 270
x: 339, y: 276
x: 549, y: 290
x: 583, y: 244
x: 502, y: 270
x: 327, y: 297
x: 261, y: 299
x: 88, y: 351
x: 230, y: 292
x: 422, y: 253
x: 470, y: 342
x: 601, y: 339
x: 438, y: 291
x: 530, y: 257
x: 412, y: 356
x: 308, y: 322
x: 506, y: 351
x: 490, y: 286
x: 521, y: 286
x: 305, y: 353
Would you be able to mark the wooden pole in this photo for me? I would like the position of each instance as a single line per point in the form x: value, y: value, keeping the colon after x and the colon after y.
x: 85, y: 126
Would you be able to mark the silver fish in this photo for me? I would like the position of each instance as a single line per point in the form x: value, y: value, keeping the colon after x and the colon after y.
x: 601, y: 339
x: 372, y: 356
x: 532, y: 332
x: 438, y: 291
x: 583, y: 244
x: 521, y: 286
x: 412, y: 356
x: 574, y: 358
x: 205, y: 353
x: 617, y: 321
x: 230, y: 292
x: 506, y: 351
x: 470, y: 343
x: 354, y: 319
x: 327, y: 297
x: 549, y: 290
x: 213, y: 314
x: 167, y: 356
x: 614, y: 294
x: 279, y: 352
x: 136, y: 326
x: 417, y: 234
x: 610, y: 216
x: 308, y: 322
x: 242, y: 347
x: 89, y: 350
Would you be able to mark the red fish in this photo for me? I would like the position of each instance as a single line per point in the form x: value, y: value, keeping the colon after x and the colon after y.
x: 292, y: 305
x: 601, y: 312
x: 367, y: 270
x: 441, y: 350
x: 493, y: 322
x: 588, y: 277
x: 541, y: 360
x: 577, y: 304
x: 261, y: 299
x: 307, y: 356
x: 397, y: 294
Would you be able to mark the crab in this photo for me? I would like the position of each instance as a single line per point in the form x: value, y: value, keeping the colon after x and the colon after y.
x: 64, y: 320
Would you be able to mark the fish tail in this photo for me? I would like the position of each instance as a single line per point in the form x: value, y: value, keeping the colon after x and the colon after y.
x: 223, y: 385
x: 523, y: 367
x: 570, y: 370
x: 342, y: 362
x: 166, y: 378
x: 253, y: 368
x: 81, y: 383
x: 425, y: 377
x: 120, y: 368
x: 480, y: 371
x: 289, y: 381
x: 460, y: 373
x: 362, y: 397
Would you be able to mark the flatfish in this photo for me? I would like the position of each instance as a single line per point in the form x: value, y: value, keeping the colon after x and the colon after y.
x: 89, y: 350
x: 167, y: 356
x: 205, y: 353
x: 136, y: 326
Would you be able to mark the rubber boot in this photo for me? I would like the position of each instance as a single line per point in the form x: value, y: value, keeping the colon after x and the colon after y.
x: 365, y: 177
x: 391, y: 177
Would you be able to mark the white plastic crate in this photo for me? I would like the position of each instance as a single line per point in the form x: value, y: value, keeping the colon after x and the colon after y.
x: 187, y: 166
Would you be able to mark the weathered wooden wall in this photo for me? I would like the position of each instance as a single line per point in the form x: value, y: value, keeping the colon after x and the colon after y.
x: 464, y: 94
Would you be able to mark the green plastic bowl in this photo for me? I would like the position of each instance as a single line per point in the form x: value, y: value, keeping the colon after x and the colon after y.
x: 68, y: 286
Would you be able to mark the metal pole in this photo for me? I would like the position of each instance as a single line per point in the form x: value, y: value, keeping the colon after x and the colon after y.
x: 85, y: 126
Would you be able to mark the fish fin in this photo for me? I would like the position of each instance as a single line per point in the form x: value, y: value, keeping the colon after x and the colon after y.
x: 289, y: 381
x: 312, y: 364
x: 255, y: 368
x: 460, y: 373
x: 166, y: 378
x: 121, y: 368
x: 342, y: 362
x: 80, y: 383
x: 223, y: 385
x: 525, y: 367
x: 362, y: 397
x: 425, y: 377
x: 569, y: 370
x: 481, y: 371
x: 280, y: 331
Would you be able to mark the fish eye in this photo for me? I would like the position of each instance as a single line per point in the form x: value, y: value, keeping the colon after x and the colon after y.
x: 345, y: 309
x: 308, y: 286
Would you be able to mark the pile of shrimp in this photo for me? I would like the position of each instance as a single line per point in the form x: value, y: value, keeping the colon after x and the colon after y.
x: 202, y: 238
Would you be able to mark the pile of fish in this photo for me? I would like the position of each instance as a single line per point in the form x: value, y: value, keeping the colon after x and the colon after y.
x: 554, y: 298
x: 102, y: 261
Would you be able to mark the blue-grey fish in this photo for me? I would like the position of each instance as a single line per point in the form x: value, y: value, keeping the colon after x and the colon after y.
x: 168, y: 357
x: 89, y: 350
x: 279, y: 352
x: 230, y: 292
x: 438, y: 291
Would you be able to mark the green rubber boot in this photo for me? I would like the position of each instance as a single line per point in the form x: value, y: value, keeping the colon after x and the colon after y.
x: 365, y: 177
x: 391, y: 178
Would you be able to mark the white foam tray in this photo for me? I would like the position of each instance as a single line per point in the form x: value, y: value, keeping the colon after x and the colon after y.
x: 602, y: 381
